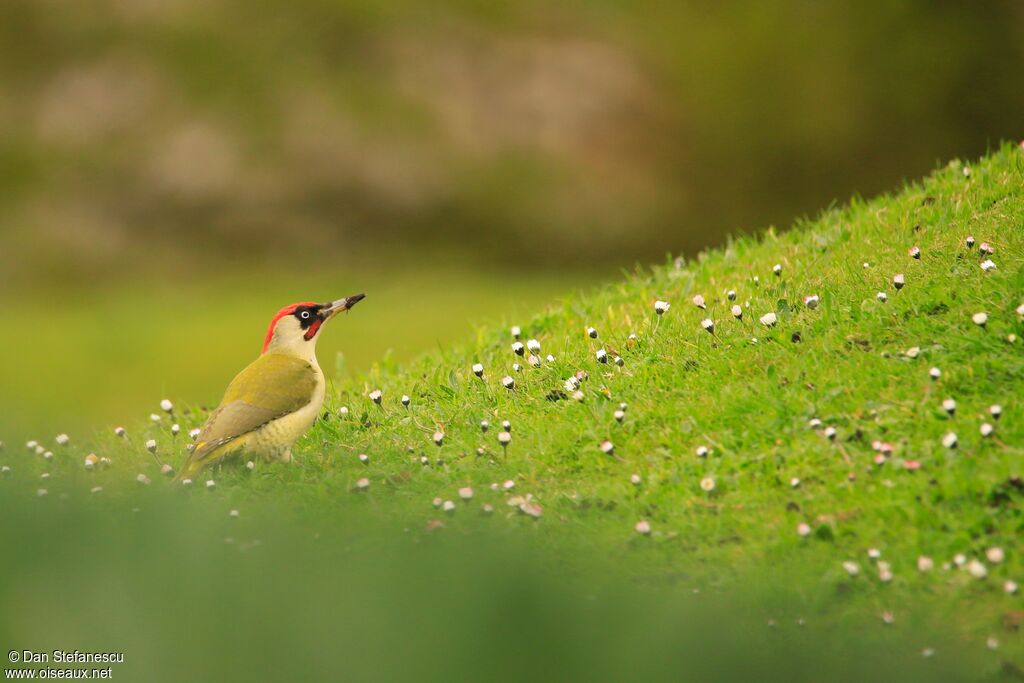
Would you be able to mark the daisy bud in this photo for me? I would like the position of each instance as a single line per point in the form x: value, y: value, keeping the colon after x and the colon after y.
x: 607, y: 447
x: 516, y: 367
x: 484, y: 425
x: 703, y: 451
x: 504, y: 438
x: 90, y: 461
x: 731, y: 295
x: 980, y: 319
x: 602, y: 356
x: 41, y: 492
x: 852, y: 568
x: 194, y: 434
x: 988, y: 265
x: 949, y: 405
x: 448, y: 506
x: 343, y: 411
x: 363, y: 483
x: 814, y: 423
x: 533, y: 345
x: 913, y: 352
x: 406, y: 400
x: 914, y: 252
x: 438, y: 437
x: 478, y: 369
x: 882, y: 296
x: 142, y: 479
x: 592, y: 333
x: 986, y: 429
x: 661, y: 307
x: 1010, y: 587
x: 619, y: 415
x: 634, y: 479
x: 508, y: 485
x: 210, y: 484
x: 41, y: 451
x: 376, y: 396
x: 250, y: 465
x: 969, y: 242
x: 120, y: 432
x: 62, y: 439
x: 830, y: 433
x: 977, y: 569
x: 186, y: 482
x: 151, y: 445
x: 708, y: 324
x: 233, y: 514
x: 1020, y: 310
x: 618, y: 361
x: 643, y: 527
x: 516, y: 332
x: 811, y: 301
x: 803, y: 529
x: 487, y: 508
x: 506, y: 425
x: 777, y: 269
x: 175, y: 428
x: 986, y: 248
x: 737, y: 312
x: 572, y: 384
x: 866, y: 265
x: 518, y: 348
x: 995, y: 410
x: 465, y: 493
x: 166, y: 470
x: 424, y: 460
x: 534, y: 360
x: 949, y: 440
x: 874, y: 553
x: 363, y: 458
x: 925, y: 563
x: 884, y: 572
x: 31, y: 445
x: 898, y: 280
x: 5, y: 470
x: 935, y: 373
x: 794, y: 482
x: 707, y: 484
x: 698, y: 301
x: 47, y: 455
x: 769, y: 319
x: 549, y: 358
x: 995, y: 555
x: 508, y: 382
x: 992, y: 643
x: 578, y: 396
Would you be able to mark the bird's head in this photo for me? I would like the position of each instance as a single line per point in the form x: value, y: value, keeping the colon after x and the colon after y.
x: 294, y: 329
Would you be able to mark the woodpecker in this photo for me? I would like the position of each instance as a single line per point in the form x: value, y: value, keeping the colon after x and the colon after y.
x: 273, y: 401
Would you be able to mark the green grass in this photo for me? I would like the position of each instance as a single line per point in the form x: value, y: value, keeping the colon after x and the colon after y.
x: 578, y: 594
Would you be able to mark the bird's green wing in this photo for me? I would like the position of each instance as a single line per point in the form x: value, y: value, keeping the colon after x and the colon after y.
x: 272, y: 386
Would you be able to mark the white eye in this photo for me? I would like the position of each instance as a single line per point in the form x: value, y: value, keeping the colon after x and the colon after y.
x: 305, y: 315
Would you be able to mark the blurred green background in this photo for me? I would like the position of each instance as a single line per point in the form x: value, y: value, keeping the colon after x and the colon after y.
x: 173, y: 171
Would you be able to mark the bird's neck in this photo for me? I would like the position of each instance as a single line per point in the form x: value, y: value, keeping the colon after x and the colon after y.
x: 303, y: 350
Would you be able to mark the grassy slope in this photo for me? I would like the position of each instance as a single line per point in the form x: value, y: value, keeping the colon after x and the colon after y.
x: 749, y: 401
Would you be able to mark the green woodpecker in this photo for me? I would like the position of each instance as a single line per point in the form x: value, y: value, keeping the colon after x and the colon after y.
x: 273, y: 401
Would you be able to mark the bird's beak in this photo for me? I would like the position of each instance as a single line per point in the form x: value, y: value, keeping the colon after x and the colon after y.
x: 329, y: 310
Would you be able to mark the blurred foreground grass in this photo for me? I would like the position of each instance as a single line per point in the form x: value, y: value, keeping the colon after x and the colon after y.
x: 95, y: 356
